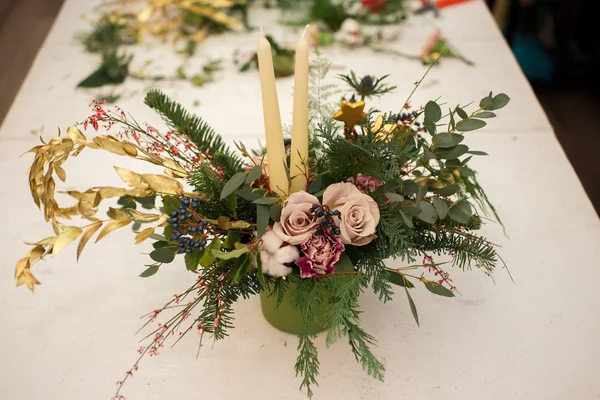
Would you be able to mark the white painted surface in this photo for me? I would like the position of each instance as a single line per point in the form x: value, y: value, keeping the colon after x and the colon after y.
x: 536, y: 339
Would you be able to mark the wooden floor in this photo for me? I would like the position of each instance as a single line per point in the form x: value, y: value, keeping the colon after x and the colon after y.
x: 573, y: 109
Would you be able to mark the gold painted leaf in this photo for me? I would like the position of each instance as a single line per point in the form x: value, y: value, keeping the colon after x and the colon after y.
x: 34, y: 149
x: 110, y: 227
x: 89, y: 232
x: 152, y: 158
x: 131, y: 178
x: 36, y: 253
x: 112, y: 145
x: 163, y: 184
x: 146, y: 217
x: 143, y: 235
x: 173, y: 169
x: 76, y: 135
x: 140, y: 192
x: 97, y: 199
x: 117, y: 214
x: 33, y: 188
x: 86, y: 209
x: 49, y: 188
x: 130, y: 149
x: 68, y: 235
x: 79, y: 150
x: 44, y: 242
x: 27, y: 278
x: 21, y: 266
x: 108, y: 192
x: 68, y: 212
x: 60, y: 172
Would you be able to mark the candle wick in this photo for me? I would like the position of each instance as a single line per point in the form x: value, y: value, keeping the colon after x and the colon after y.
x: 304, y: 32
x: 262, y: 32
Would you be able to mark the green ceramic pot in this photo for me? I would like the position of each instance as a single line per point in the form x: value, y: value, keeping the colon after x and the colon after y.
x: 285, y: 317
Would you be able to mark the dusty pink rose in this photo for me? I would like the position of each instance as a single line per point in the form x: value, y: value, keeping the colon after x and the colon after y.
x: 360, y: 214
x: 296, y: 223
x: 320, y: 253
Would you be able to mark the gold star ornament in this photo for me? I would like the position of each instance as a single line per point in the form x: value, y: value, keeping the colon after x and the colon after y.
x: 351, y: 113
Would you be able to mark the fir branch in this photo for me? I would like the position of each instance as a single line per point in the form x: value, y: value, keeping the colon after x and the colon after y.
x: 307, y: 297
x: 464, y: 248
x: 343, y: 318
x: 194, y: 127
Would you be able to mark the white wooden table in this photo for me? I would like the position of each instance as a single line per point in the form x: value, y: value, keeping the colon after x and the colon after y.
x: 535, y: 339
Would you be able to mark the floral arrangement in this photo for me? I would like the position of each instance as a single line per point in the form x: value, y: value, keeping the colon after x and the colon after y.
x: 372, y: 186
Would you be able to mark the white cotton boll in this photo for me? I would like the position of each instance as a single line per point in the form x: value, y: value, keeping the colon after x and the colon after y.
x: 271, y: 242
x: 265, y: 258
x: 278, y: 269
x: 287, y: 254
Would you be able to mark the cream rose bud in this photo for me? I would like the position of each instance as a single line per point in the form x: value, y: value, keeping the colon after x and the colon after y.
x: 297, y: 223
x: 360, y: 213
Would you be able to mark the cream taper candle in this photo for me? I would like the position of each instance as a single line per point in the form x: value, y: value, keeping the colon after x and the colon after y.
x: 299, y: 156
x: 274, y: 135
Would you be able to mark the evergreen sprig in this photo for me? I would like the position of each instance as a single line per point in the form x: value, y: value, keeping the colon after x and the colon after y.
x: 466, y: 249
x: 192, y: 126
x: 307, y: 297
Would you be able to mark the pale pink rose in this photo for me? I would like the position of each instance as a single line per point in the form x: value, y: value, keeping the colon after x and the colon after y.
x: 297, y: 223
x: 360, y: 214
x: 319, y: 255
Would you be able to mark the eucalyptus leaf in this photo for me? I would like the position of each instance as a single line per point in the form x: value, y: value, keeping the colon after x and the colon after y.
x: 266, y: 200
x: 149, y: 271
x: 420, y: 194
x: 428, y: 213
x: 398, y: 279
x: 451, y: 153
x: 163, y: 255
x: 470, y: 124
x: 395, y: 197
x: 461, y: 211
x: 441, y: 207
x: 486, y: 102
x: 233, y: 184
x: 159, y: 244
x: 408, y: 187
x: 452, y: 122
x: 447, y: 190
x: 438, y: 289
x: 406, y: 218
x: 251, y: 194
x: 485, y: 114
x: 275, y: 212
x: 477, y: 153
x: 412, y: 210
x: 433, y: 112
x: 499, y: 101
x: 262, y: 219
x: 461, y: 113
x: 254, y: 174
x: 413, y: 308
x: 446, y: 140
